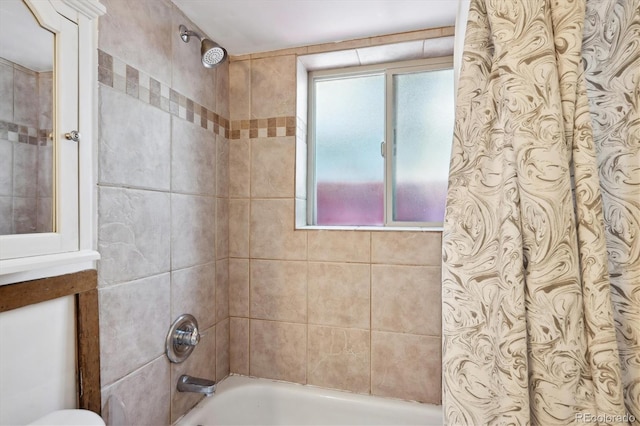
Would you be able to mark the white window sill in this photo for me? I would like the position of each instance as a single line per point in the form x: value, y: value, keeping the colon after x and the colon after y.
x: 372, y: 228
x: 31, y: 268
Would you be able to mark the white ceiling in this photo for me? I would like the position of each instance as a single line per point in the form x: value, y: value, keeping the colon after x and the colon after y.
x: 251, y: 26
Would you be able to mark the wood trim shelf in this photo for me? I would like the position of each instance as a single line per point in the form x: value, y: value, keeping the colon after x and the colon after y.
x: 83, y: 285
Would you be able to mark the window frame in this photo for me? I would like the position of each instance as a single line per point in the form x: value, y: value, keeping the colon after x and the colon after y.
x: 388, y: 70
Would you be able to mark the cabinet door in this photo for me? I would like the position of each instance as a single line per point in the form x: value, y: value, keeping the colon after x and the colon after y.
x: 40, y: 165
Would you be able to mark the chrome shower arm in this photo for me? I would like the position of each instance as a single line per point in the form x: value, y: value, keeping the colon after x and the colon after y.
x: 186, y: 34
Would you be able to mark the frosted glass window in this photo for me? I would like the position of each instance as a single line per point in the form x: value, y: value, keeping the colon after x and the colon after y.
x: 349, y: 170
x: 423, y: 123
x: 379, y: 144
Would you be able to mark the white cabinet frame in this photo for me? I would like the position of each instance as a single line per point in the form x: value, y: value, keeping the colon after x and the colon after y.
x: 72, y: 247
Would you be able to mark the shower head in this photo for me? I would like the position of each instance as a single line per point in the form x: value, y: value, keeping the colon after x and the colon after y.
x: 212, y: 54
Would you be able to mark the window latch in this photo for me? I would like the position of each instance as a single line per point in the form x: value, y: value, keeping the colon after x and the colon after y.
x: 382, y: 148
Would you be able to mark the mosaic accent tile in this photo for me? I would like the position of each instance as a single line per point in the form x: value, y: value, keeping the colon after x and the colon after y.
x: 263, y: 128
x: 24, y: 134
x: 114, y: 73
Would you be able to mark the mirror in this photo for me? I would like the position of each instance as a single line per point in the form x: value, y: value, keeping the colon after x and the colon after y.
x: 26, y: 122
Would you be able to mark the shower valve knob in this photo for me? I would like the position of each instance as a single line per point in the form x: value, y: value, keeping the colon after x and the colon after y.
x: 182, y: 338
x: 187, y: 337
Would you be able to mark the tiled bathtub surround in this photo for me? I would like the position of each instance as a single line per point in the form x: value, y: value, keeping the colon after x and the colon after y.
x: 162, y: 208
x: 352, y: 310
x: 197, y: 190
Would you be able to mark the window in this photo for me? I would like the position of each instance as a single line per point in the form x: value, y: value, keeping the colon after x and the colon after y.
x: 379, y: 144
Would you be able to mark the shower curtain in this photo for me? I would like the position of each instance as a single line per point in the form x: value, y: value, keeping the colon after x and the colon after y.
x: 541, y: 241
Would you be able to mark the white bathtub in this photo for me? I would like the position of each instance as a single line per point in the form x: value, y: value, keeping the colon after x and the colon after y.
x: 248, y: 401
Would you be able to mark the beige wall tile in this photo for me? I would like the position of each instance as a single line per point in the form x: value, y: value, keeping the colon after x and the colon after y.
x: 124, y: 319
x: 239, y: 168
x: 240, y: 90
x: 134, y: 234
x: 149, y: 25
x: 406, y: 366
x: 273, y: 167
x: 193, y: 157
x: 239, y: 287
x: 340, y: 246
x: 448, y: 31
x: 6, y: 92
x: 406, y: 248
x: 222, y: 89
x: 133, y: 391
x: 339, y: 358
x: 238, y: 228
x: 193, y: 291
x: 278, y: 290
x: 222, y: 290
x: 339, y: 294
x: 222, y: 349
x: 193, y: 239
x: 222, y: 228
x: 239, y: 345
x: 272, y: 231
x: 197, y: 365
x: 222, y: 166
x: 406, y: 299
x: 146, y: 163
x: 273, y: 87
x: 278, y: 350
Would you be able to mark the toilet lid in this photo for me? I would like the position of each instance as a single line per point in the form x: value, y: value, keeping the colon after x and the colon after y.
x: 70, y: 418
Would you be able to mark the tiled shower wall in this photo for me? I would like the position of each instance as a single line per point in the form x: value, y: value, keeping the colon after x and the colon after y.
x: 26, y: 149
x: 162, y: 209
x: 351, y: 310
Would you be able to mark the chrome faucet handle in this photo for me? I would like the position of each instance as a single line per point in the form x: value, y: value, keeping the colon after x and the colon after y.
x: 187, y: 337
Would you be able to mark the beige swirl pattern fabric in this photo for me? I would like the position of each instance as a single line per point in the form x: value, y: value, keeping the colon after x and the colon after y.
x: 541, y: 286
x: 611, y: 54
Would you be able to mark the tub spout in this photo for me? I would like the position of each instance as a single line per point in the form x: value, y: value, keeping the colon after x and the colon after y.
x: 196, y: 384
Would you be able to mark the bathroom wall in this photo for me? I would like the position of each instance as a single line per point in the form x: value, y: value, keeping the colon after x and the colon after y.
x: 162, y: 209
x: 33, y: 385
x: 26, y: 150
x: 351, y: 310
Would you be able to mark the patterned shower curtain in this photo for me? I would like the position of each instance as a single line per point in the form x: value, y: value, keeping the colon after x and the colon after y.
x: 541, y: 241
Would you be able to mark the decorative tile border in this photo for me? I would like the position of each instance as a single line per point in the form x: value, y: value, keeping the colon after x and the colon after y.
x: 114, y: 73
x: 263, y: 128
x: 23, y: 134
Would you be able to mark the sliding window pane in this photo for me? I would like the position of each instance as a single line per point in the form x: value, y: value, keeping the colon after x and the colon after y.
x: 349, y: 170
x: 423, y: 123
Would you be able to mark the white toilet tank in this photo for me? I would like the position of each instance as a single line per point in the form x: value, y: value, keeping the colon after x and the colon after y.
x: 70, y: 418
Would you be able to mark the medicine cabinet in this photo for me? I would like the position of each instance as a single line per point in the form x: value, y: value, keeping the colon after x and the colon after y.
x: 47, y: 120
